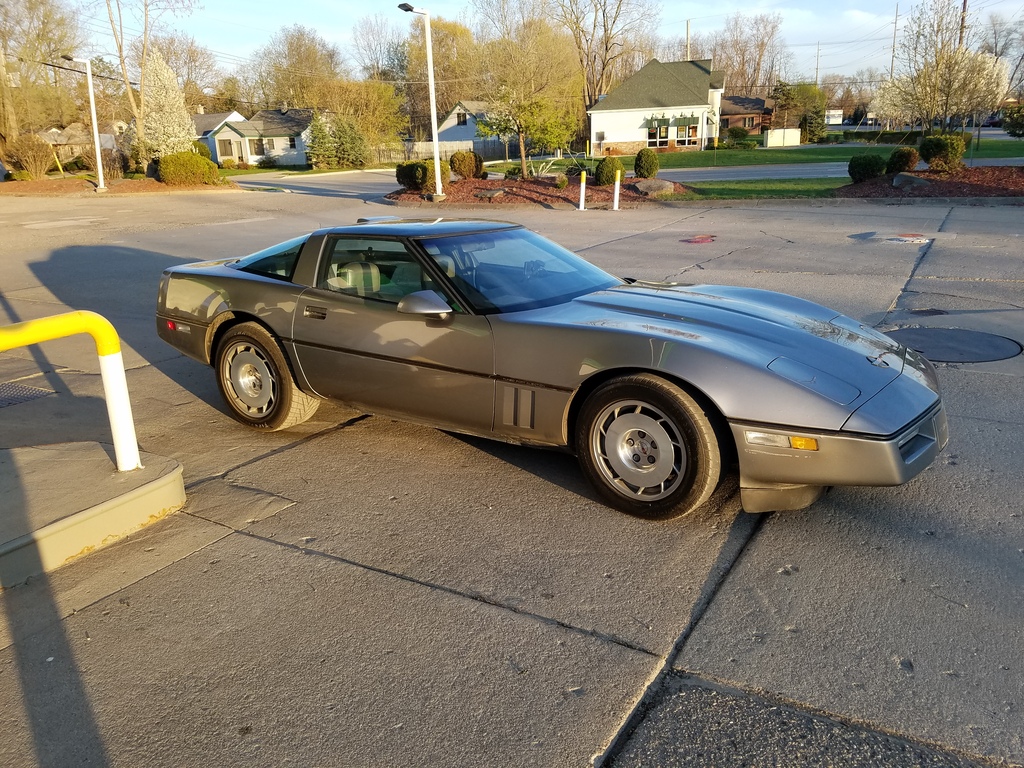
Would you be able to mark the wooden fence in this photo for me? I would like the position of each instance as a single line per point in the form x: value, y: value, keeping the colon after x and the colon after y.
x: 488, y: 149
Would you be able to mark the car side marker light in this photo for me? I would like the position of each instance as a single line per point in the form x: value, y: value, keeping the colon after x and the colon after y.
x: 781, y: 441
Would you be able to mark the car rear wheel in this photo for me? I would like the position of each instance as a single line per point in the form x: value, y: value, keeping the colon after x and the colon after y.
x: 256, y: 383
x: 648, y: 447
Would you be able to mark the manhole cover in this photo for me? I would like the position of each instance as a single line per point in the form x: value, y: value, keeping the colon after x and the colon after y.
x: 955, y: 345
x: 14, y: 394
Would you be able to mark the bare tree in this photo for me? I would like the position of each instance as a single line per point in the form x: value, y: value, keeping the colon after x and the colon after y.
x: 1005, y: 41
x: 603, y: 32
x: 194, y: 65
x: 378, y: 48
x: 749, y: 51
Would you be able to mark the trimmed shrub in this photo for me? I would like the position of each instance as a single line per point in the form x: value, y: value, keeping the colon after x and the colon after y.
x: 411, y: 174
x: 187, y: 168
x: 33, y: 154
x: 466, y: 165
x: 944, y: 152
x: 738, y: 133
x: 267, y: 161
x: 645, y: 166
x: 561, y: 181
x: 604, y: 174
x: 430, y: 184
x: 243, y: 166
x: 228, y: 163
x: 20, y: 176
x: 513, y: 173
x: 902, y: 160
x: 865, y: 167
x: 202, y: 149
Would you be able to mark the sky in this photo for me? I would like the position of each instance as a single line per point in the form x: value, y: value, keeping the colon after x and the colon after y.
x: 827, y: 36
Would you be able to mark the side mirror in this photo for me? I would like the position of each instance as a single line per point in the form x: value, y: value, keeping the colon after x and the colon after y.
x: 424, y: 303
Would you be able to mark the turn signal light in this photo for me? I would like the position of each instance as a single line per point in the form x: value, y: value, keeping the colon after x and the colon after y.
x: 781, y: 441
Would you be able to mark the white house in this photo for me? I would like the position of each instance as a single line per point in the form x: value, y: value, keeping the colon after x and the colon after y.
x: 208, y: 126
x: 460, y: 124
x: 282, y: 134
x: 665, y: 106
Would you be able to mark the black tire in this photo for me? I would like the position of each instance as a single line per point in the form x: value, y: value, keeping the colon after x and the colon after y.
x: 648, y: 447
x: 255, y: 381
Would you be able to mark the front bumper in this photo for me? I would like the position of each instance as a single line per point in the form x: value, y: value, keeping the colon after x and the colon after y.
x: 841, y: 459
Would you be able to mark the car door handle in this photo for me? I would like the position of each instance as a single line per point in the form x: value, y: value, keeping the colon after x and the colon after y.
x: 316, y: 313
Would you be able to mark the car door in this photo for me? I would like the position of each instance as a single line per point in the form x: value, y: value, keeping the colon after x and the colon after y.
x: 352, y: 344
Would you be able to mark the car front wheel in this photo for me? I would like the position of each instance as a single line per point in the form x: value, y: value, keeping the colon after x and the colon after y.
x: 648, y: 447
x: 255, y: 382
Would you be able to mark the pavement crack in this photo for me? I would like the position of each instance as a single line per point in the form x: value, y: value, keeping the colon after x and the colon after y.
x: 304, y: 440
x: 464, y: 594
x: 743, y: 531
x: 644, y: 232
x: 778, y: 237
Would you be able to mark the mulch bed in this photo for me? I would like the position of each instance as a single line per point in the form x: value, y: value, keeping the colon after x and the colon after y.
x: 541, y: 192
x: 983, y: 181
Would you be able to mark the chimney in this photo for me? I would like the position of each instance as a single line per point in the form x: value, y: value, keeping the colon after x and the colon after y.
x: 200, y: 110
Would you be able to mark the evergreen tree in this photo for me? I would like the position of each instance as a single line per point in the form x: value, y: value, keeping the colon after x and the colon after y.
x: 322, y: 147
x: 350, y: 146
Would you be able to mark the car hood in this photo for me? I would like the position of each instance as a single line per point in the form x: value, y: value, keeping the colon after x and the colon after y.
x: 823, y: 351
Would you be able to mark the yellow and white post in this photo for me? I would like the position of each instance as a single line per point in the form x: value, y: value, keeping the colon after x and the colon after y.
x: 583, y: 190
x: 615, y: 195
x: 108, y: 349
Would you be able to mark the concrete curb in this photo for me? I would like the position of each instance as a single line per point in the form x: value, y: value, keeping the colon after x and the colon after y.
x: 67, y: 500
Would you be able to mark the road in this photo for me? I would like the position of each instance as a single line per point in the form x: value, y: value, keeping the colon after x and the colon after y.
x: 360, y: 592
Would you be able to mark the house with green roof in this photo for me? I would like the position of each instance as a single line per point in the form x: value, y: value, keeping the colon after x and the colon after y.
x: 667, y: 106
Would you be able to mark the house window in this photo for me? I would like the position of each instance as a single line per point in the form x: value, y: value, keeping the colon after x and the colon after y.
x: 291, y: 142
x: 686, y: 135
x: 270, y: 144
x: 657, y: 135
x: 224, y: 147
x: 724, y: 124
x: 256, y: 147
x: 748, y: 122
x: 461, y: 118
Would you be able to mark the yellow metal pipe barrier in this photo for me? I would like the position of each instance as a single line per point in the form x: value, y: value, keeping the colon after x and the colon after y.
x: 108, y: 349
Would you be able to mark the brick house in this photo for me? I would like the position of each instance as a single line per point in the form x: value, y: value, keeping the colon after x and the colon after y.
x: 745, y: 112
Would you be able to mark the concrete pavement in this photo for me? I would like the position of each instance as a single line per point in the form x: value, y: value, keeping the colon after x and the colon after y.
x: 357, y: 592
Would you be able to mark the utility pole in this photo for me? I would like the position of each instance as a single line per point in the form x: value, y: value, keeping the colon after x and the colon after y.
x: 687, y: 39
x: 963, y: 25
x: 817, y: 61
x: 892, y: 61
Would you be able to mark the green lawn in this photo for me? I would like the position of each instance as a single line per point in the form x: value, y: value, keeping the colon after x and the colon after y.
x: 761, y: 188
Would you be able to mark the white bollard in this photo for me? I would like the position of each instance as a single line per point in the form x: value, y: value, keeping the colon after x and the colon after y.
x: 615, y: 194
x: 583, y: 189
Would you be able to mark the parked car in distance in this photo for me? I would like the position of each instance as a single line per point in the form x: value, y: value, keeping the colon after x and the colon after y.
x: 489, y: 329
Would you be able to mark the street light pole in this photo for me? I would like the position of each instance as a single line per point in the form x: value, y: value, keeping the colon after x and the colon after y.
x: 433, y: 99
x: 92, y: 111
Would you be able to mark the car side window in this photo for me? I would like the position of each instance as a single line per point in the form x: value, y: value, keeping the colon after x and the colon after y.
x: 372, y: 268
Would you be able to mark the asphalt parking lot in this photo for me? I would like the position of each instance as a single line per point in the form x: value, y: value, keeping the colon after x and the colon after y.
x: 357, y: 592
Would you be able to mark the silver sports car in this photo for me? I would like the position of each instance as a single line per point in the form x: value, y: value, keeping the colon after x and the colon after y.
x: 489, y: 329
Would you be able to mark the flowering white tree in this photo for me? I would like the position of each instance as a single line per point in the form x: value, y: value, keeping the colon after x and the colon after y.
x: 936, y: 73
x: 169, y: 128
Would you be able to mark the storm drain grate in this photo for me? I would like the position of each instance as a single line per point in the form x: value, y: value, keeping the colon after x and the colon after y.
x: 15, y: 394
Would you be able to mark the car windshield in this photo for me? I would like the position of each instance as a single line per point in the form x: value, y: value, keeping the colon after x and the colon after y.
x: 514, y: 269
